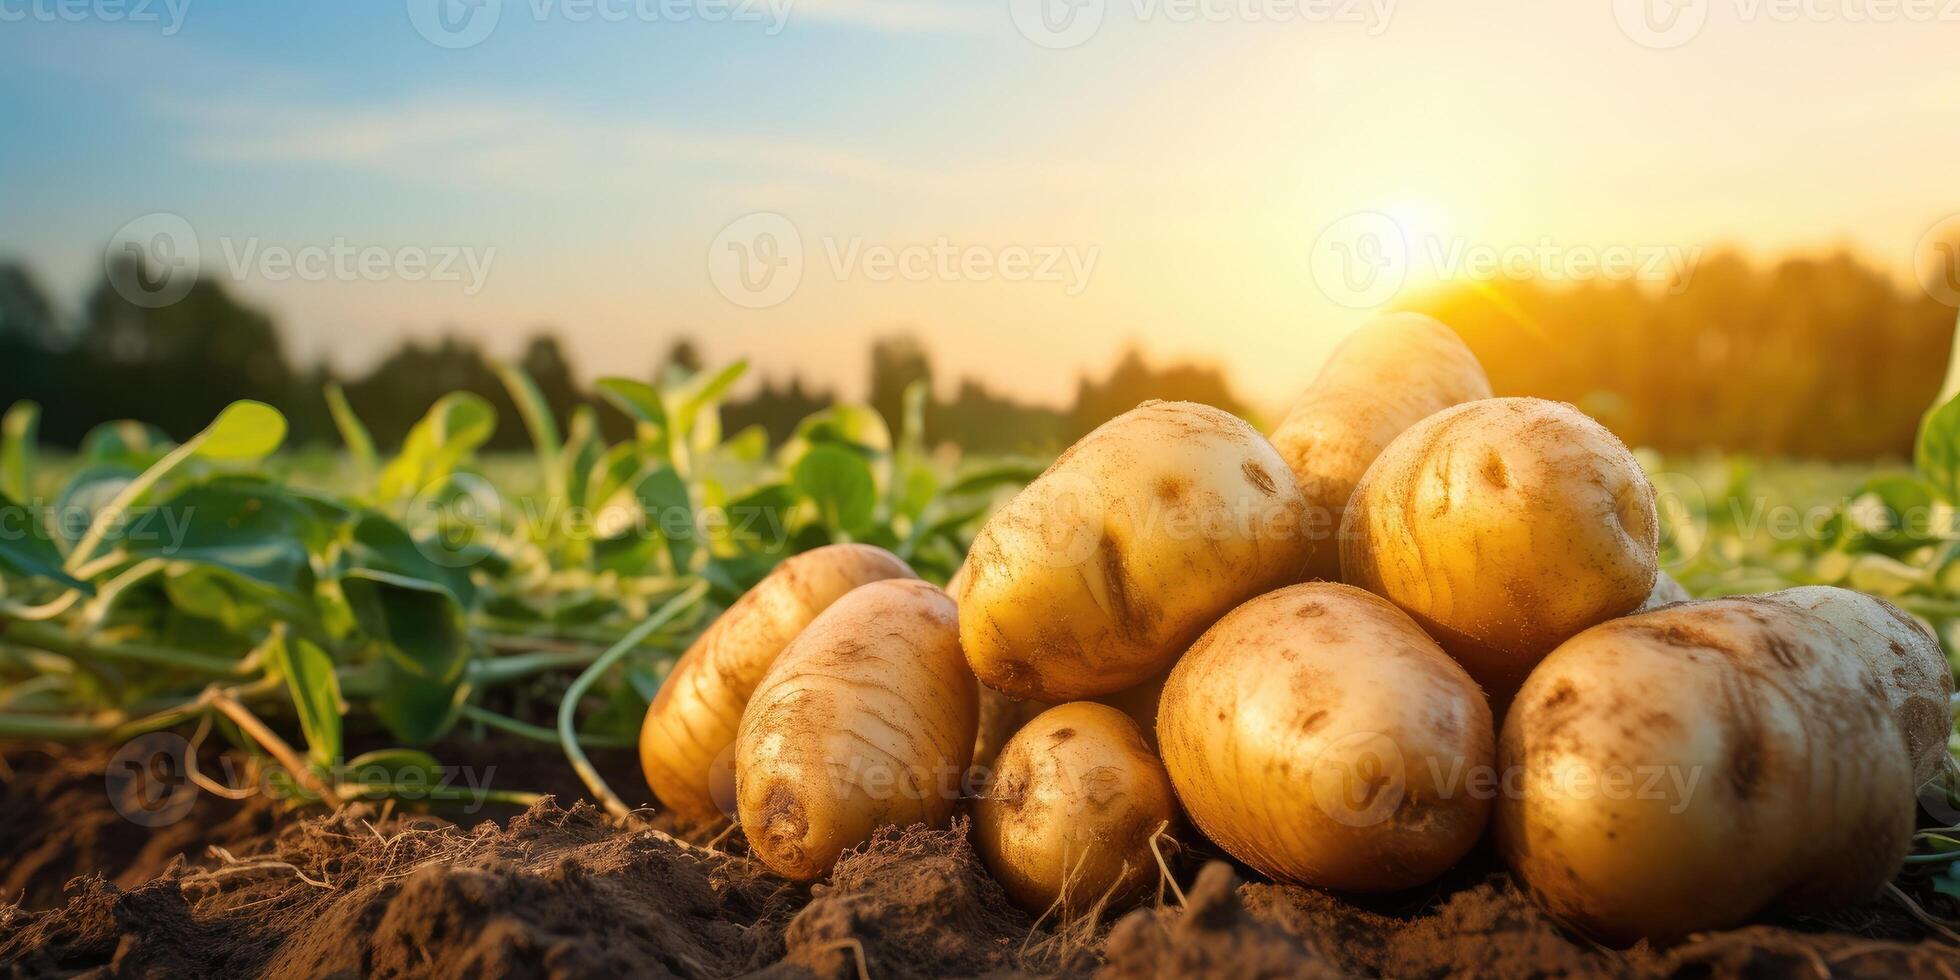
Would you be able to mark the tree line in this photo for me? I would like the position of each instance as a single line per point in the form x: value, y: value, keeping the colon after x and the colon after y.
x: 1813, y: 357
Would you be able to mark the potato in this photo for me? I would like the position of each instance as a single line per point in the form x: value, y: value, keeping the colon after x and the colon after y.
x: 1099, y: 573
x: 1392, y: 373
x: 1319, y: 736
x: 687, y: 738
x: 1504, y: 527
x: 1684, y: 769
x: 1069, y: 814
x: 867, y: 720
x: 1666, y: 590
x: 1905, y: 657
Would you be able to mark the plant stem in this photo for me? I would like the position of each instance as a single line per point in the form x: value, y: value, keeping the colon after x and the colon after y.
x: 259, y: 732
x: 56, y: 639
x: 568, y: 708
x: 524, y: 729
x: 502, y: 670
x: 379, y: 791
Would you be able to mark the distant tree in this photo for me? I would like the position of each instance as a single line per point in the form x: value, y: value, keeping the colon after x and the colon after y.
x: 1133, y: 381
x: 545, y: 362
x: 896, y: 362
x: 685, y: 356
x: 26, y: 316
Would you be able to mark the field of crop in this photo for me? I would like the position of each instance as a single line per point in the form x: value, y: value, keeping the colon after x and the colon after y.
x: 325, y: 628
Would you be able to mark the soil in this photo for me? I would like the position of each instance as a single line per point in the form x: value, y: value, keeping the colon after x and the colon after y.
x: 249, y: 888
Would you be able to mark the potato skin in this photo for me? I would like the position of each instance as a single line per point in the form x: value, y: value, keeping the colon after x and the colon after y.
x: 690, y: 727
x: 867, y: 720
x: 1504, y: 527
x: 1100, y: 572
x: 1319, y: 736
x: 1393, y: 372
x: 1070, y: 811
x: 1683, y: 769
x: 1906, y: 658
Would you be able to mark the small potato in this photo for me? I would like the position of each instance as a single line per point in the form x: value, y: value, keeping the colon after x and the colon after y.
x: 1504, y: 527
x: 867, y: 720
x: 687, y: 738
x: 1393, y: 372
x: 1099, y: 573
x: 1905, y: 657
x: 1070, y: 811
x: 1319, y: 736
x: 1686, y: 768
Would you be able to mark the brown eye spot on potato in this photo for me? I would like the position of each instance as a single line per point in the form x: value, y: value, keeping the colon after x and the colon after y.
x: 1061, y: 735
x: 1495, y: 471
x: 1310, y: 610
x: 1171, y: 489
x: 1258, y: 477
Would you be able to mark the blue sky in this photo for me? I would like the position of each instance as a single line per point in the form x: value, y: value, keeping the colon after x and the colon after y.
x: 1191, y: 165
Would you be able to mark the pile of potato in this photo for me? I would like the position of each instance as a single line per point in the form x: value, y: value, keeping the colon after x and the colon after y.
x: 1340, y: 654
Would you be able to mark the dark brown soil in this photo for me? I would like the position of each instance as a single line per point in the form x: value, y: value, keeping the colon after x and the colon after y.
x: 566, y: 892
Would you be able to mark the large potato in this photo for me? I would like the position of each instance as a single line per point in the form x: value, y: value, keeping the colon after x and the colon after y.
x: 1392, y: 373
x: 867, y: 720
x: 1905, y: 657
x: 1504, y: 526
x: 689, y: 730
x: 1070, y: 811
x: 1100, y: 572
x: 1683, y: 769
x: 1319, y: 736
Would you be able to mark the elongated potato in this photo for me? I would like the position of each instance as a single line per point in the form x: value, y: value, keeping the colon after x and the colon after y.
x: 1393, y: 372
x: 687, y: 738
x: 1069, y: 812
x: 1906, y: 658
x: 1683, y: 769
x: 866, y: 721
x: 1100, y: 572
x: 1319, y: 736
x: 1504, y: 527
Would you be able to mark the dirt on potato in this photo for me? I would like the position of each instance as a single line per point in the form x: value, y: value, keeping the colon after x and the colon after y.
x: 252, y: 889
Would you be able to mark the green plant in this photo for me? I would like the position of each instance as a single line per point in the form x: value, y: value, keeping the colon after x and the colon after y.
x: 197, y: 585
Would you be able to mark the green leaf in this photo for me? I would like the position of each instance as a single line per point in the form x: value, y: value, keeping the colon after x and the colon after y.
x: 455, y: 426
x: 18, y: 434
x: 858, y: 428
x: 392, y: 766
x: 1012, y: 474
x: 425, y: 651
x: 840, y: 483
x: 125, y: 443
x: 26, y: 550
x: 378, y: 542
x: 360, y: 444
x: 309, y: 674
x: 640, y: 402
x: 536, y: 413
x: 1937, y: 452
x: 245, y: 430
x: 251, y: 528
x: 704, y: 392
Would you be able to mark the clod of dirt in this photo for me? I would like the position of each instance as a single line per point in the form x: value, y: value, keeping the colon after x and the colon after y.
x: 917, y: 903
x: 1212, y: 936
